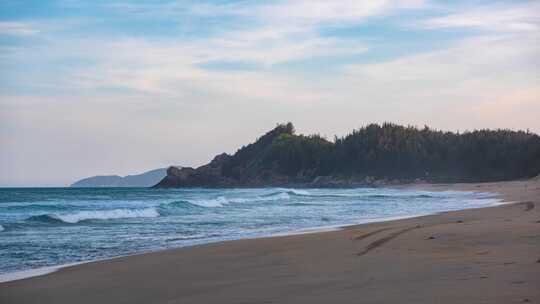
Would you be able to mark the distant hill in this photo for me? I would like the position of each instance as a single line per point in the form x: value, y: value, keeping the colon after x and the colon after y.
x: 372, y: 155
x: 146, y: 179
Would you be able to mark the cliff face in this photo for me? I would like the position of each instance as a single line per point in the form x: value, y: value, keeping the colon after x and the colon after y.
x: 210, y: 175
x: 373, y: 155
x: 248, y: 167
x: 213, y: 175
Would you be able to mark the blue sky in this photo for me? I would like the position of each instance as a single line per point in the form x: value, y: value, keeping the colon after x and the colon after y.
x: 96, y: 87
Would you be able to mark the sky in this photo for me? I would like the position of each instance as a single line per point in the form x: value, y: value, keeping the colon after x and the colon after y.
x: 121, y: 87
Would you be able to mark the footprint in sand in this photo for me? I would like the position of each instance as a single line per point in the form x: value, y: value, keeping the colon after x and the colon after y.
x: 529, y: 206
x: 386, y: 239
x: 363, y: 236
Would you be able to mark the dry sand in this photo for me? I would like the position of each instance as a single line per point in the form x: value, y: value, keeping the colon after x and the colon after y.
x: 489, y: 255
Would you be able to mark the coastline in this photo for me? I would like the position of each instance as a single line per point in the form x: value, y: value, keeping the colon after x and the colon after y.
x: 240, y: 257
x: 34, y: 272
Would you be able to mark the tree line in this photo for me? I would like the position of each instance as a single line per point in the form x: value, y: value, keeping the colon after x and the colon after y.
x: 390, y: 151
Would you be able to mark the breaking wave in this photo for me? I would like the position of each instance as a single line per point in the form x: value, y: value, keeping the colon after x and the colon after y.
x: 304, y: 193
x: 73, y: 218
x: 222, y: 201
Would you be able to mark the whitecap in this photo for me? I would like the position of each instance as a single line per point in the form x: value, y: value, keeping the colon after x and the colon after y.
x: 299, y: 192
x: 221, y: 201
x: 76, y: 217
x: 278, y: 196
x: 210, y: 203
x: 272, y: 197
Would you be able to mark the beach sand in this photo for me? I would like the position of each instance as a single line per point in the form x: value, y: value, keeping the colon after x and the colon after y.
x: 488, y: 255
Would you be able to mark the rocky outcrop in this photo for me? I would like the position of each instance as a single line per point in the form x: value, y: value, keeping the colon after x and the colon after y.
x: 210, y: 175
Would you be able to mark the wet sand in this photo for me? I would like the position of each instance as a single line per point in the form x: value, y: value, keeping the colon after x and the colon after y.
x: 488, y: 255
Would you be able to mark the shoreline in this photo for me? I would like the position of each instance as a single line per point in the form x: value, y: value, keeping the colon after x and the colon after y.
x: 489, y: 254
x: 42, y: 271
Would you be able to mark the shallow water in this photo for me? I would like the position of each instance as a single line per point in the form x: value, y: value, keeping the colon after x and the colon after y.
x: 52, y: 226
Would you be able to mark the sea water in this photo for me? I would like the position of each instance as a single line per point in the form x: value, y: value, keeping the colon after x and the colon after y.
x: 43, y: 227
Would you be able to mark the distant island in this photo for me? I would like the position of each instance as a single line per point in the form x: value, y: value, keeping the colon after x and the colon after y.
x: 146, y: 179
x: 372, y: 155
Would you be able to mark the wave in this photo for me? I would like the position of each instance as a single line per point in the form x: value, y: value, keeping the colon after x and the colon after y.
x: 285, y: 191
x: 299, y: 192
x: 400, y: 196
x: 73, y: 218
x: 222, y: 201
x: 305, y: 193
x: 357, y: 195
x: 31, y: 207
x: 209, y: 203
x: 44, y: 218
x: 302, y: 204
x: 268, y: 197
x: 1, y: 228
x: 188, y: 237
x: 181, y: 204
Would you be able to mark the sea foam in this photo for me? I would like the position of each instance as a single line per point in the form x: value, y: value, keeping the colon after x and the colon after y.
x: 221, y: 201
x: 76, y: 217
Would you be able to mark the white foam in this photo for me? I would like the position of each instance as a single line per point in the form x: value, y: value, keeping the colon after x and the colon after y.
x: 19, y: 275
x: 273, y: 197
x: 29, y: 273
x: 210, y: 203
x: 299, y: 192
x: 76, y: 217
x: 222, y: 201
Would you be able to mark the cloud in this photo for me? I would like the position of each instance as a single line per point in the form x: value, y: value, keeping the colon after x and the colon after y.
x: 442, y: 87
x: 96, y: 102
x: 516, y: 18
x: 492, y: 57
x: 17, y: 29
x: 310, y: 12
x: 267, y: 33
x: 307, y: 12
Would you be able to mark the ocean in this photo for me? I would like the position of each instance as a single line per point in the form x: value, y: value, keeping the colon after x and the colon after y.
x: 41, y: 227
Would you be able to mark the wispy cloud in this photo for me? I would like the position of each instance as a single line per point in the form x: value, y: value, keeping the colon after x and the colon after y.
x: 175, y: 72
x: 17, y: 28
x: 275, y: 31
x: 474, y: 82
x: 502, y: 18
x: 311, y: 12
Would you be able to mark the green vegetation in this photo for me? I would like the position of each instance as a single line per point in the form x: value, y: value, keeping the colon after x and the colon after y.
x: 388, y: 151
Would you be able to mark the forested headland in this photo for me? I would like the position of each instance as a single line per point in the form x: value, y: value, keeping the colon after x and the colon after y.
x: 372, y: 154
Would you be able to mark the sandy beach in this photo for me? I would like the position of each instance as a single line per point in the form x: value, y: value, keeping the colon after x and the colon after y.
x: 488, y: 255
